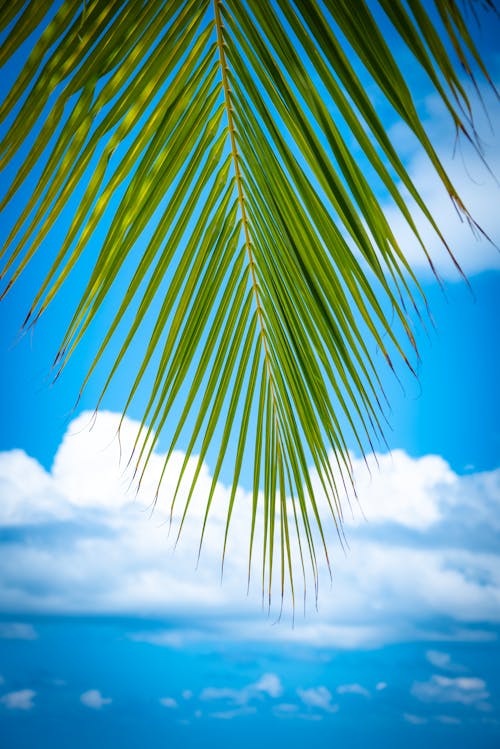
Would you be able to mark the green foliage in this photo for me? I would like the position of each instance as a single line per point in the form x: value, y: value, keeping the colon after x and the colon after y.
x: 226, y: 145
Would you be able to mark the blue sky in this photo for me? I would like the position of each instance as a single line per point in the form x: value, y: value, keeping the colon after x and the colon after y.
x: 109, y: 638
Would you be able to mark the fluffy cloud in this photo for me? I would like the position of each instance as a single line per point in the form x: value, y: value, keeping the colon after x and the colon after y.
x: 269, y: 684
x: 29, y: 495
x: 318, y: 698
x: 476, y: 185
x: 464, y: 690
x: 94, y: 699
x: 401, y: 490
x: 21, y: 700
x: 95, y: 547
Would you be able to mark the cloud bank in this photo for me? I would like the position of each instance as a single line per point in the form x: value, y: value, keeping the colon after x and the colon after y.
x: 422, y: 562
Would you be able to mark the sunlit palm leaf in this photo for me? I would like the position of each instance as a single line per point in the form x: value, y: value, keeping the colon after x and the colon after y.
x: 218, y: 137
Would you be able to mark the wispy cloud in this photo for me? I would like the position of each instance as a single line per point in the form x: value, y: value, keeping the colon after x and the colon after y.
x: 286, y: 708
x: 415, y: 720
x: 442, y: 660
x: 448, y: 720
x: 20, y: 700
x: 353, y: 689
x: 462, y: 689
x: 170, y: 638
x: 224, y: 693
x: 94, y: 699
x: 269, y: 685
x: 169, y: 702
x: 421, y: 720
x: 17, y: 631
x: 230, y: 714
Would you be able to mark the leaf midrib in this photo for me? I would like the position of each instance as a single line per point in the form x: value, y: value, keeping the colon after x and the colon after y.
x: 239, y: 182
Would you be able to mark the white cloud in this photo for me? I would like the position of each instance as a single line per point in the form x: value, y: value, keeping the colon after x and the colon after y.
x: 17, y: 631
x: 29, y: 495
x: 286, y: 708
x: 380, y: 686
x: 476, y: 186
x: 169, y: 702
x: 439, y: 659
x: 20, y: 700
x: 236, y: 713
x: 353, y: 689
x: 391, y: 583
x: 448, y: 720
x: 169, y: 638
x: 224, y: 693
x: 415, y: 720
x: 464, y: 690
x: 319, y: 698
x: 401, y: 490
x: 268, y: 684
x: 461, y: 634
x: 442, y: 660
x: 94, y: 699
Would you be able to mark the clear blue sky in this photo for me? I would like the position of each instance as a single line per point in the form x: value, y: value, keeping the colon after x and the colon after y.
x: 109, y: 639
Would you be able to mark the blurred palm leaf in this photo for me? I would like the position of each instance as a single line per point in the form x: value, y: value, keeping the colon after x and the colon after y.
x: 223, y: 146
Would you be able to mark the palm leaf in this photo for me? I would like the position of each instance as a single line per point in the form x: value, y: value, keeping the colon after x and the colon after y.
x: 218, y: 149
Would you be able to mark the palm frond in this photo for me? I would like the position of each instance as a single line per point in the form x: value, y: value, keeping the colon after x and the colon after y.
x: 219, y: 149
